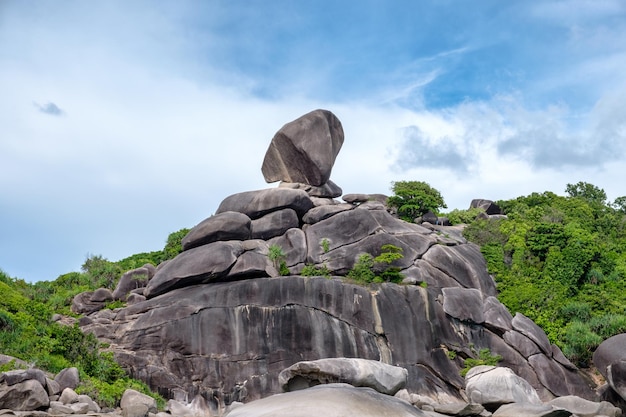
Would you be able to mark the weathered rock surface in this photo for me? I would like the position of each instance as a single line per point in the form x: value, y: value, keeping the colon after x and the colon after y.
x: 131, y: 280
x: 332, y: 400
x: 585, y: 408
x: 304, y: 150
x: 610, y: 359
x: 386, y: 379
x: 493, y: 386
x: 530, y: 410
x: 23, y: 396
x: 219, y: 323
x: 229, y: 225
x: 489, y: 206
x: 132, y: 397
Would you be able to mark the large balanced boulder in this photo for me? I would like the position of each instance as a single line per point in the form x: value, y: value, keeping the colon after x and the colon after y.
x: 332, y: 400
x: 304, y: 151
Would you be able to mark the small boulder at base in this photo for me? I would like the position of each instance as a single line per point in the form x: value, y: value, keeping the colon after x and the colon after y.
x: 493, y: 386
x: 331, y: 400
x: 304, y: 150
x: 132, y: 397
x: 68, y: 377
x: 530, y: 410
x: 386, y: 379
x: 585, y: 408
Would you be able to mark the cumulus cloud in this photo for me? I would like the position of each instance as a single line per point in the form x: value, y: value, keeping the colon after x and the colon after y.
x: 49, y: 108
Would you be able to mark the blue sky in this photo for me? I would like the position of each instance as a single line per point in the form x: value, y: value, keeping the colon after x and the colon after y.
x: 121, y: 122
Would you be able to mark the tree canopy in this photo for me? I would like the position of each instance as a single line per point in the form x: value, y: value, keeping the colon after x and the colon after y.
x: 414, y: 198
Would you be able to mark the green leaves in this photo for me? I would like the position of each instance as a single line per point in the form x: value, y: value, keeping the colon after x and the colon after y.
x: 414, y: 198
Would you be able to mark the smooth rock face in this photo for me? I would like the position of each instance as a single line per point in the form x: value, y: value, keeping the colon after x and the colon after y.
x: 131, y: 280
x: 274, y: 224
x: 585, y: 408
x: 23, y: 396
x: 465, y: 304
x: 202, y: 264
x: 256, y: 204
x: 493, y: 386
x: 68, y: 377
x: 386, y: 379
x: 229, y: 225
x: 132, y: 397
x: 616, y: 377
x: 332, y: 400
x: 304, y: 151
x: 530, y: 410
x: 528, y: 328
x: 610, y: 351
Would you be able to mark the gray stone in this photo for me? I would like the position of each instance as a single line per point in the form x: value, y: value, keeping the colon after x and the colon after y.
x: 135, y: 298
x: 102, y: 295
x: 521, y: 343
x: 274, y: 224
x: 497, y: 317
x: 558, y: 379
x: 493, y: 386
x: 82, y: 303
x: 229, y: 225
x: 256, y: 204
x: 528, y: 328
x: 465, y: 304
x: 198, y: 265
x: 332, y: 400
x: 135, y: 410
x: 585, y: 408
x: 465, y: 264
x: 52, y: 387
x: 608, y: 352
x: 132, y: 280
x: 304, y: 150
x: 79, y: 408
x: 328, y: 190
x: 23, y: 396
x: 132, y: 397
x: 459, y: 409
x: 616, y: 377
x: 558, y: 356
x: 489, y: 206
x: 21, y: 375
x: 68, y: 396
x: 386, y: 379
x: 57, y: 408
x: 320, y: 213
x: 253, y: 262
x: 67, y: 378
x: 294, y: 246
x: 530, y: 410
x: 91, y: 404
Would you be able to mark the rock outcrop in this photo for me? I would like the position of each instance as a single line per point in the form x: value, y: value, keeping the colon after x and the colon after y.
x: 220, y: 321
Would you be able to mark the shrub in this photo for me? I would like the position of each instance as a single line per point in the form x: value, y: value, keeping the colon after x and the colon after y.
x: 362, y: 271
x: 484, y: 358
x: 315, y: 271
x: 277, y: 256
x: 580, y: 342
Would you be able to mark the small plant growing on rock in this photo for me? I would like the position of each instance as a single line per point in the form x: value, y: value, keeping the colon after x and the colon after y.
x: 484, y: 358
x: 277, y: 256
x: 315, y: 271
x: 368, y: 269
x: 325, y: 245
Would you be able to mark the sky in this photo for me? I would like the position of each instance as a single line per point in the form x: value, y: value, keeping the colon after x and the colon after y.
x: 124, y: 121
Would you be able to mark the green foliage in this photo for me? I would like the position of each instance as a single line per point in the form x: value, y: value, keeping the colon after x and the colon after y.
x: 484, y: 358
x: 109, y: 393
x: 315, y: 271
x: 325, y: 245
x: 277, y: 256
x: 362, y: 271
x: 561, y: 261
x: 173, y: 246
x: 368, y: 269
x: 414, y: 198
x: 458, y: 216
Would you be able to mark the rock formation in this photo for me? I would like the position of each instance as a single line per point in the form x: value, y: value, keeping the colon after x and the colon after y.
x: 220, y: 321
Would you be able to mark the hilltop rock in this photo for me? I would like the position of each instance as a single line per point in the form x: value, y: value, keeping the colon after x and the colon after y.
x: 304, y: 151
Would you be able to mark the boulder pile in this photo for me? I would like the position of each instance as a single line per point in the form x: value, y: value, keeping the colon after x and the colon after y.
x: 238, y: 315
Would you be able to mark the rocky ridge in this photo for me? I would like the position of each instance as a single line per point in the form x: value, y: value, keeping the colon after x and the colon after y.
x: 219, y: 322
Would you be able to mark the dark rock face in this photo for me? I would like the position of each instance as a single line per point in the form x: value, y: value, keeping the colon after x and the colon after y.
x: 304, y: 150
x: 229, y: 225
x: 610, y: 359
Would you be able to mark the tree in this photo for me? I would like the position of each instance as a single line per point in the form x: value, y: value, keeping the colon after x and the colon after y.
x: 414, y: 198
x: 589, y: 192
